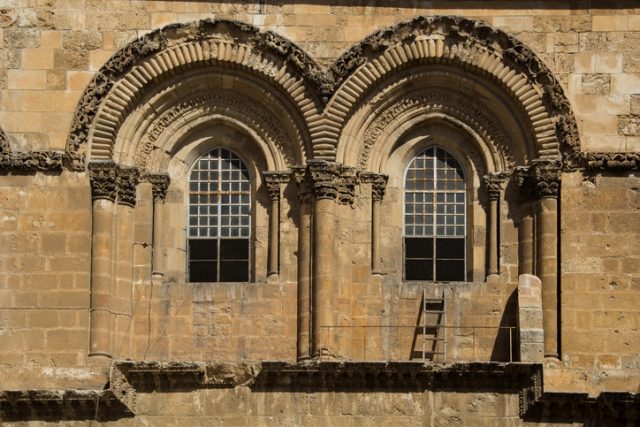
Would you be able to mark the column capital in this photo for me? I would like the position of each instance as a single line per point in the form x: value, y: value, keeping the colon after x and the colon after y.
x: 493, y: 183
x: 159, y: 185
x: 325, y: 180
x: 273, y: 180
x: 127, y: 182
x: 378, y: 184
x: 103, y: 178
x: 303, y: 182
x: 546, y: 174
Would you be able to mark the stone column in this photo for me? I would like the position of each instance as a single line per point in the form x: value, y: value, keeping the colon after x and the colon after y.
x: 304, y: 263
x: 159, y: 187
x: 273, y: 181
x: 526, y: 250
x: 547, y: 181
x: 493, y: 184
x: 103, y: 179
x: 378, y: 186
x: 325, y: 181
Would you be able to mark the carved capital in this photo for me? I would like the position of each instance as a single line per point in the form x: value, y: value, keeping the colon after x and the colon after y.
x: 525, y: 183
x: 103, y: 178
x: 127, y: 182
x: 546, y: 174
x: 303, y: 181
x: 347, y: 186
x: 273, y: 180
x: 378, y: 184
x: 159, y: 186
x: 493, y: 183
x: 325, y: 179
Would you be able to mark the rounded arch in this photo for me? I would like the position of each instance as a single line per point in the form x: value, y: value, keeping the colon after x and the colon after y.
x: 490, y: 55
x: 274, y: 64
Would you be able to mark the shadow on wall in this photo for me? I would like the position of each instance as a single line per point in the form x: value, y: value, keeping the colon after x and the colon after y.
x: 506, y: 345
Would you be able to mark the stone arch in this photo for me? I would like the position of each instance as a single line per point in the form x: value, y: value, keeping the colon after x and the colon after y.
x: 483, y: 51
x: 274, y: 63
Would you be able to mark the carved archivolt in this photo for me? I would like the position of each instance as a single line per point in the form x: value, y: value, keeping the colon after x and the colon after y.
x: 472, y: 45
x: 117, y: 86
x: 448, y: 102
x: 260, y: 119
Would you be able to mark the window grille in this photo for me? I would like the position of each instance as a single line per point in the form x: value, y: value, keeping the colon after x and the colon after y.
x: 219, y: 218
x: 435, y: 218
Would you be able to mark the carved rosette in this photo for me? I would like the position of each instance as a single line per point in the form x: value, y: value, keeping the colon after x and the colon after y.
x: 127, y: 182
x: 103, y: 177
x: 493, y: 183
x: 546, y: 174
x: 273, y: 180
x: 325, y: 179
x: 159, y: 186
x: 378, y: 184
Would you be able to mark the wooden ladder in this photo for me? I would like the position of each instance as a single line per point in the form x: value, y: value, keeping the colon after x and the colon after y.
x: 434, y: 343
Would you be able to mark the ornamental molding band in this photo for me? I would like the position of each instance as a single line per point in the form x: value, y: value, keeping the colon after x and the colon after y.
x: 223, y: 102
x: 34, y: 161
x: 112, y: 182
x: 611, y: 161
x: 439, y: 100
x: 547, y: 175
x: 161, y: 53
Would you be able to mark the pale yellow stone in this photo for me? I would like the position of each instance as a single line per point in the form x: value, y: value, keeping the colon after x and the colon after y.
x: 38, y: 59
x: 78, y: 80
x: 97, y: 58
x: 608, y: 62
x: 625, y: 83
x: 585, y: 62
x: 51, y: 39
x: 27, y: 79
x: 609, y: 23
x: 161, y: 19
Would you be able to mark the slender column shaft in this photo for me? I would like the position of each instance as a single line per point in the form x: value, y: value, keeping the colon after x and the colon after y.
x: 525, y: 239
x: 304, y: 282
x: 323, y: 277
x: 492, y: 230
x: 547, y: 265
x: 274, y: 223
x: 376, y: 266
x: 158, y: 231
x: 101, y: 278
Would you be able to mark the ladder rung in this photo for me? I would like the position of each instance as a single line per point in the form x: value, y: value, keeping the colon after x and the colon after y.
x: 430, y: 326
x: 434, y: 352
x: 433, y: 311
x: 434, y: 300
x: 433, y: 339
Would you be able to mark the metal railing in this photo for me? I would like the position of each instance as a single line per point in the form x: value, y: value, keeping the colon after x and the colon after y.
x: 402, y: 346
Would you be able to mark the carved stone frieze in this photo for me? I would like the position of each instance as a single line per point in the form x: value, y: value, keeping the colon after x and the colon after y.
x: 219, y: 102
x: 494, y: 183
x: 273, y: 181
x: 159, y: 185
x: 127, y: 181
x: 103, y: 177
x: 612, y: 161
x: 438, y: 100
x: 378, y: 184
x: 547, y: 174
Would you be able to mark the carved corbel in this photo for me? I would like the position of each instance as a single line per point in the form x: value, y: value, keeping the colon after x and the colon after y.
x: 546, y: 174
x: 103, y: 178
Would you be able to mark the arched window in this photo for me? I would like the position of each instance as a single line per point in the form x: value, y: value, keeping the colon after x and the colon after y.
x: 434, y: 218
x: 219, y: 218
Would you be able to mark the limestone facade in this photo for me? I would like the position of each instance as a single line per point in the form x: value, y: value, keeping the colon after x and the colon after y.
x: 106, y: 106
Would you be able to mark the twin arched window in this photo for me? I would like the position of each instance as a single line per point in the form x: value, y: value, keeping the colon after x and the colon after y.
x: 434, y: 218
x: 219, y: 228
x: 220, y: 218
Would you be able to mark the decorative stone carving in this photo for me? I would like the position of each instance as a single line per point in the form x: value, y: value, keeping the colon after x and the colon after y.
x: 438, y: 100
x: 493, y: 183
x: 127, y: 182
x: 525, y: 183
x: 612, y: 161
x: 547, y: 177
x: 273, y: 181
x: 347, y: 186
x: 220, y: 102
x: 325, y: 179
x: 303, y: 182
x: 159, y: 185
x: 103, y: 178
x: 378, y: 184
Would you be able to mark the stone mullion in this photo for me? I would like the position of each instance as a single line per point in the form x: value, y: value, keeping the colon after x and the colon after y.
x: 326, y: 190
x: 304, y: 263
x: 159, y: 187
x: 493, y: 184
x: 378, y: 186
x: 104, y: 187
x: 273, y: 181
x: 547, y: 185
